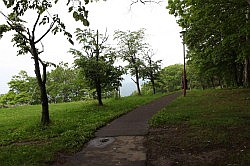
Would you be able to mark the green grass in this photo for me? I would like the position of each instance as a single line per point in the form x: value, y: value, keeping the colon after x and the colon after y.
x: 210, y: 120
x: 23, y: 141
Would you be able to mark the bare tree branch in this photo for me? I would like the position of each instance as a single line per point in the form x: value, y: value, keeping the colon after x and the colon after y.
x: 51, y: 26
x: 133, y: 80
x: 34, y: 27
x: 42, y: 49
x: 105, y: 38
x: 144, y: 2
x: 45, y: 65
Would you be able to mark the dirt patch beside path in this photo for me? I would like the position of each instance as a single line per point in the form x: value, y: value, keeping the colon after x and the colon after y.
x: 170, y: 146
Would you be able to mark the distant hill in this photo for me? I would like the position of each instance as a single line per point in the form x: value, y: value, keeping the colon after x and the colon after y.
x: 127, y: 88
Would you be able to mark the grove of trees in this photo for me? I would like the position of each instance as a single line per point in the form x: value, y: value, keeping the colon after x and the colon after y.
x: 217, y: 36
x: 95, y: 73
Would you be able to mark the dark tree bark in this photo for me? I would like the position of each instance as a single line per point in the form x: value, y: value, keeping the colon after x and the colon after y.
x: 137, y: 80
x: 99, y: 92
x: 41, y: 82
x: 153, y: 85
x: 212, y: 82
x: 152, y: 76
x: 98, y: 82
x: 45, y: 106
x: 247, y: 72
x: 247, y: 60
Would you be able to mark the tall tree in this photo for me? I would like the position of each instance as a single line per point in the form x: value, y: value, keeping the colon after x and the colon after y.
x: 131, y: 47
x: 96, y: 61
x: 151, y: 68
x: 25, y: 37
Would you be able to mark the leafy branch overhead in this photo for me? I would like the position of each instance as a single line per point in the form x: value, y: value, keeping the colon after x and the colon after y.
x: 19, y: 8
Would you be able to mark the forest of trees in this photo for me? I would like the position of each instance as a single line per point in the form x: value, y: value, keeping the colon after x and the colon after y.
x: 64, y: 84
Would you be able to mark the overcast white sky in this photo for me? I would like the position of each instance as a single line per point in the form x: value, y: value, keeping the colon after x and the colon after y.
x: 161, y: 29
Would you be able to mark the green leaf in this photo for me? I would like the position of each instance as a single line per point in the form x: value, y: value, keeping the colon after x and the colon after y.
x: 85, y: 22
x: 75, y: 15
x: 70, y: 9
x: 3, y: 29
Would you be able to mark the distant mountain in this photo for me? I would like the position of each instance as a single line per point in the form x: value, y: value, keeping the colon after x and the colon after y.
x: 127, y: 88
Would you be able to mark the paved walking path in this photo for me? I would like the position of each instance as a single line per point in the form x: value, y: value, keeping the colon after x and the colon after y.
x: 121, y: 141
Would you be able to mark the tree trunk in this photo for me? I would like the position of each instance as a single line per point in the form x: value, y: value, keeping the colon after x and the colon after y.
x: 221, y: 86
x: 240, y: 74
x: 98, y: 82
x: 153, y: 86
x: 99, y: 92
x: 42, y: 85
x: 117, y: 93
x: 247, y: 60
x: 247, y: 72
x: 45, y: 106
x: 212, y: 81
x: 137, y: 80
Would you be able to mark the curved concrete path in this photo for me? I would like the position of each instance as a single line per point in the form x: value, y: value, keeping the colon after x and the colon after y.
x: 121, y: 141
x: 135, y: 123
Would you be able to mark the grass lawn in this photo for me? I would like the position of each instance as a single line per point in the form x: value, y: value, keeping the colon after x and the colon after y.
x: 210, y: 127
x: 23, y: 141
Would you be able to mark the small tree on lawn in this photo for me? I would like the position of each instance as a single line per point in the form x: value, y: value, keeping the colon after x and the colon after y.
x: 96, y: 61
x: 151, y: 68
x: 131, y: 46
x: 27, y: 40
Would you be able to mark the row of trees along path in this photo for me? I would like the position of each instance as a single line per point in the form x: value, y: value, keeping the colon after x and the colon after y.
x: 217, y: 37
x: 26, y: 38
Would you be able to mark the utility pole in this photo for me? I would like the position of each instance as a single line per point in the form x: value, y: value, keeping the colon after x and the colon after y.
x: 184, y: 77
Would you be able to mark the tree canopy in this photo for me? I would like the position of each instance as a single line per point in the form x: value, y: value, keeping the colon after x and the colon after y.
x: 216, y: 33
x: 96, y: 61
x: 131, y: 49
